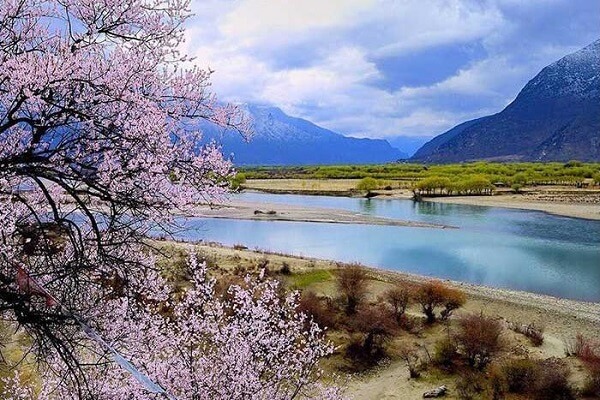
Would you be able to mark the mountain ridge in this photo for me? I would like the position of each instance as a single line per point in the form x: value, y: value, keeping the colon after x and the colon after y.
x: 555, y: 117
x: 280, y: 139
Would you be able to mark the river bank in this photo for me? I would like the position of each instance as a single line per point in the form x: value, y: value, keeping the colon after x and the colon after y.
x: 567, y: 316
x: 556, y: 200
x: 565, y: 209
x: 259, y: 211
x: 562, y: 319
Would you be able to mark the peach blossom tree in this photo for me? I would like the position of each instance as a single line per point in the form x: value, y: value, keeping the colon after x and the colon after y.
x: 99, y: 146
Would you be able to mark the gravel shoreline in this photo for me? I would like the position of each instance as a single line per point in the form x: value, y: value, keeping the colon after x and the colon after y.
x: 563, y: 318
x: 283, y: 212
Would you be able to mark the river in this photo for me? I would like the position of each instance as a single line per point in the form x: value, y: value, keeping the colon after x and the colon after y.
x: 498, y: 247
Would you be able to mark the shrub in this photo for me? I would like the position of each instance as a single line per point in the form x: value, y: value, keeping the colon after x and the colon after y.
x: 445, y: 352
x: 497, y: 383
x: 285, y: 269
x: 591, y: 386
x: 398, y: 298
x: 520, y: 375
x: 588, y: 352
x: 432, y: 295
x: 479, y: 338
x: 368, y: 183
x: 533, y: 332
x: 322, y: 314
x: 453, y: 300
x: 470, y: 386
x: 376, y: 326
x: 553, y: 381
x: 573, y: 164
x: 352, y: 281
x: 540, y: 380
x: 412, y: 359
x: 583, y: 348
x: 237, y: 181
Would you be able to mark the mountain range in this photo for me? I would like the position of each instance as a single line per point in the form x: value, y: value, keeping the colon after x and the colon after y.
x: 280, y: 139
x: 555, y: 117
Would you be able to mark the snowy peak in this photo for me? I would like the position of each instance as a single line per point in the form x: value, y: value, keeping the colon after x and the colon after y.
x: 271, y: 123
x: 280, y: 139
x: 576, y: 74
x: 556, y: 117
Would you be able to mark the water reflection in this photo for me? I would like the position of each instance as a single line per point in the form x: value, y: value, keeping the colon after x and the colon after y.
x: 368, y: 206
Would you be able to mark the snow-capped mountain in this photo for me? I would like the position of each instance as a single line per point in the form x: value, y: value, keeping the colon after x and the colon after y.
x: 556, y: 116
x: 283, y: 140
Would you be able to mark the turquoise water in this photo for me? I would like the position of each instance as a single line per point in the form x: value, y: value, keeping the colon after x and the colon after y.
x: 499, y: 247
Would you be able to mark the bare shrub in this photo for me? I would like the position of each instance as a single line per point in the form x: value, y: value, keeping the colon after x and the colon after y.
x: 321, y: 312
x: 398, y: 298
x: 539, y: 380
x: 520, y: 375
x: 413, y: 360
x: 479, y: 338
x: 553, y: 381
x: 352, y: 281
x: 376, y: 325
x: 588, y: 351
x: 445, y: 353
x: 411, y: 324
x: 470, y: 386
x: 432, y: 295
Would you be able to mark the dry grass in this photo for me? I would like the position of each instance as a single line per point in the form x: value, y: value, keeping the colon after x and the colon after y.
x: 333, y: 185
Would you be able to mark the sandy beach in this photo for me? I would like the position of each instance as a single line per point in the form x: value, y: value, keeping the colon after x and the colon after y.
x: 259, y: 211
x: 563, y: 201
x: 574, y: 210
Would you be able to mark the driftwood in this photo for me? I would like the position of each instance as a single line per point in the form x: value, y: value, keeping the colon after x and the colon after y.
x: 437, y: 392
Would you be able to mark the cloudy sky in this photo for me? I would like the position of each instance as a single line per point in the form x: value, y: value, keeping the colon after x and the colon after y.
x: 381, y: 68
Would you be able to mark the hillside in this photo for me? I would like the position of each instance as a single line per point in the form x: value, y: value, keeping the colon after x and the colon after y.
x: 555, y: 117
x: 280, y: 139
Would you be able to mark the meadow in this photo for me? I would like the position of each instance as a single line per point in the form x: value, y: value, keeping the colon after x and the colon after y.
x: 507, y: 174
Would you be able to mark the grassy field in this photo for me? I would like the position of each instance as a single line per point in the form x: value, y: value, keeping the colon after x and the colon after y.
x: 408, y: 175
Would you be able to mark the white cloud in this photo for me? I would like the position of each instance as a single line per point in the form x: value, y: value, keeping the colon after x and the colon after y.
x: 415, y: 26
x: 254, y: 20
x: 315, y: 58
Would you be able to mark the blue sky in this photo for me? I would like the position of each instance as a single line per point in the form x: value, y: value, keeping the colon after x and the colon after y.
x: 382, y: 68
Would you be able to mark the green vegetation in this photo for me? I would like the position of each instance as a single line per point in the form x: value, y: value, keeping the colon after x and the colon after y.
x: 237, y: 180
x: 470, y: 185
x: 303, y: 280
x: 368, y: 183
x: 459, y: 176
